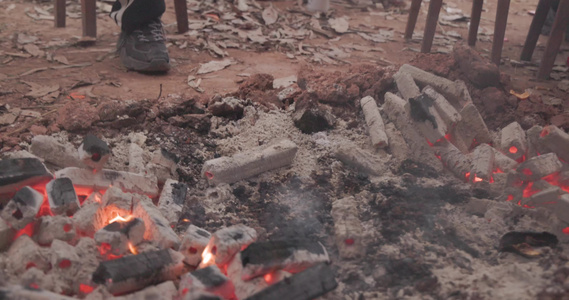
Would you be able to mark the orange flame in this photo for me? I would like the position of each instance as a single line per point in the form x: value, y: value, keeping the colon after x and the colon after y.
x: 132, y: 248
x: 207, y: 257
x: 118, y: 218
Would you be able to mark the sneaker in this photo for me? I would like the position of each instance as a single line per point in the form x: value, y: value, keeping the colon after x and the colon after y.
x: 144, y: 50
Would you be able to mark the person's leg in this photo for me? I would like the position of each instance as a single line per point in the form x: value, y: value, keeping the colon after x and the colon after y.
x: 141, y: 44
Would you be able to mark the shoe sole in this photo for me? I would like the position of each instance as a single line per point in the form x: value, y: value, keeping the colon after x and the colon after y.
x: 156, y: 65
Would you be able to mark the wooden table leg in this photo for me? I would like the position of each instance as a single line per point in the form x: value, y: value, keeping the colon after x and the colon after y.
x: 59, y: 13
x: 500, y: 30
x: 89, y: 16
x: 474, y: 21
x: 431, y: 25
x: 555, y: 38
x: 539, y: 18
x: 412, y: 20
x: 181, y: 8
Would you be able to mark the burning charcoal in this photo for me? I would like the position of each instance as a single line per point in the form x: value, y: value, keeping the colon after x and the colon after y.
x: 172, y: 200
x: 54, y: 152
x: 535, y: 146
x: 293, y: 256
x: 165, y: 290
x: 102, y: 180
x: 538, y: 167
x: 130, y: 273
x: 55, y: 228
x: 310, y: 284
x: 406, y: 85
x: 482, y: 163
x: 64, y: 256
x: 250, y: 163
x: 547, y: 196
x: 513, y: 141
x: 471, y: 129
x: 23, y: 254
x: 121, y: 235
x: 244, y: 289
x: 6, y: 235
x: 16, y: 292
x: 200, y: 295
x: 503, y: 162
x: 360, y: 160
x: 209, y: 279
x: 453, y: 91
x: 118, y: 200
x: 394, y: 108
x: 136, y: 159
x: 556, y: 140
x: 19, y: 172
x: 193, y: 244
x: 521, y: 242
x: 376, y: 128
x: 94, y: 152
x: 446, y: 111
x: 458, y: 163
x: 348, y: 229
x: 157, y: 227
x: 225, y: 242
x: 561, y: 208
x: 23, y: 208
x: 163, y: 165
x: 88, y: 219
x: 61, y: 196
x: 426, y: 118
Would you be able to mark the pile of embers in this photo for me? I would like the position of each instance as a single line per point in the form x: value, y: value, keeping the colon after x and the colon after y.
x: 90, y: 232
x: 441, y: 124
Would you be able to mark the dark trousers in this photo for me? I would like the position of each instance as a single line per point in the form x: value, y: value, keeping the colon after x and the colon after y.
x: 132, y: 14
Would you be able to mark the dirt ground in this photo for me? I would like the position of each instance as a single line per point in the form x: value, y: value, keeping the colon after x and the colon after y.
x: 111, y: 81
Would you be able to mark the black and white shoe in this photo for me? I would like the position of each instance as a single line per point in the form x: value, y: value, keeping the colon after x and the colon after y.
x: 144, y: 50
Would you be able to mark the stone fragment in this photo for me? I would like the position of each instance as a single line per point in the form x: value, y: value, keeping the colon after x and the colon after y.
x: 61, y: 197
x: 172, y: 199
x: 55, y: 228
x: 102, y: 180
x: 209, y: 279
x: 249, y: 163
x: 513, y: 141
x: 226, y: 242
x: 54, y: 152
x: 93, y: 152
x: 376, y: 128
x: 538, y: 167
x: 193, y: 244
x: 23, y: 208
x: 348, y: 230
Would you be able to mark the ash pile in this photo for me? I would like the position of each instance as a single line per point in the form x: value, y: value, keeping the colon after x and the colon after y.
x: 385, y: 183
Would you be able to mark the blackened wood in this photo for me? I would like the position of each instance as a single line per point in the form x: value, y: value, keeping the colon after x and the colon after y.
x: 431, y: 25
x: 500, y: 30
x: 59, y: 13
x: 412, y: 20
x: 181, y: 8
x: 474, y: 21
x: 89, y: 17
x: 311, y: 283
x: 537, y: 23
x: 555, y: 38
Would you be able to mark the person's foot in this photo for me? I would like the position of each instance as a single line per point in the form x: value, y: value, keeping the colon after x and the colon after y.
x: 144, y: 49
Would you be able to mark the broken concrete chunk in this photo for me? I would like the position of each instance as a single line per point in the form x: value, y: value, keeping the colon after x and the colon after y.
x: 23, y: 208
x: 513, y: 141
x: 249, y: 163
x: 172, y: 200
x: 348, y: 230
x: 94, y: 152
x: 61, y: 196
x: 19, y: 172
x: 54, y: 152
x: 376, y: 128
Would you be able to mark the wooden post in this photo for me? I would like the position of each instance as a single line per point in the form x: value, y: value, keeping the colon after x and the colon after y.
x: 412, y: 20
x: 181, y: 8
x: 500, y: 30
x: 431, y: 25
x: 89, y: 17
x: 555, y: 38
x: 59, y: 13
x: 541, y: 12
x: 474, y: 21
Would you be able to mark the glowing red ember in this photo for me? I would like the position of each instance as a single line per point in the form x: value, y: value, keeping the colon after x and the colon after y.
x: 513, y: 150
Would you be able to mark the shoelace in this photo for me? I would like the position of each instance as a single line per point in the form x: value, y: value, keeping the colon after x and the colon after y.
x: 150, y: 33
